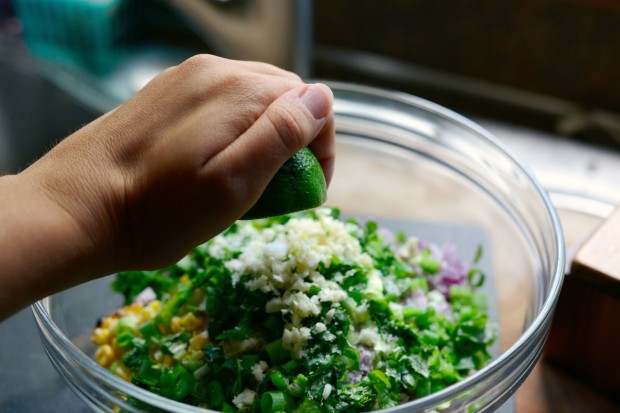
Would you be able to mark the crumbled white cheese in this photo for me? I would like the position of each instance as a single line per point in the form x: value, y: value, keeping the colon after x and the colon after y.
x: 368, y: 336
x: 295, y: 250
x: 274, y: 305
x: 282, y: 261
x: 302, y: 305
x: 371, y: 338
x: 244, y: 399
x: 438, y: 301
x: 359, y: 312
x: 329, y: 316
x: 435, y: 297
x: 327, y: 390
x: 330, y: 291
x: 320, y: 327
x: 409, y: 249
x: 185, y: 263
x: 329, y: 337
x: 258, y: 370
x: 220, y: 244
x: 276, y: 250
x: 294, y: 339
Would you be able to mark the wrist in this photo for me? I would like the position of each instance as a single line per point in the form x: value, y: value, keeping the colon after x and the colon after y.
x: 42, y: 248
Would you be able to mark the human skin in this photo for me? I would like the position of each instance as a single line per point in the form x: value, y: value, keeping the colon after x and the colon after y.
x: 140, y: 186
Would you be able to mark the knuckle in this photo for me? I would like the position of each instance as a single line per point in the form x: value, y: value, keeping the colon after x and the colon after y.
x: 219, y: 74
x: 236, y: 82
x: 199, y: 62
x: 289, y: 127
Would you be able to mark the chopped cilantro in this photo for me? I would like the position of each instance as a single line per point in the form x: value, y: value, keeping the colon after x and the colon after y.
x: 303, y: 313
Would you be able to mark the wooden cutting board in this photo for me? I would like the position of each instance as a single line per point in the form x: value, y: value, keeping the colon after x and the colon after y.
x: 585, y: 335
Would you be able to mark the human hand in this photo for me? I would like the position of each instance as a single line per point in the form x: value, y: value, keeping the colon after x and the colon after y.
x: 179, y: 162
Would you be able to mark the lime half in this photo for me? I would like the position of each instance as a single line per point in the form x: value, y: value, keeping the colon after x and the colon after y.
x: 298, y: 185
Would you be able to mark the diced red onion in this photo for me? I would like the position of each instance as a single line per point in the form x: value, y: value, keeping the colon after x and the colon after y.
x: 146, y: 296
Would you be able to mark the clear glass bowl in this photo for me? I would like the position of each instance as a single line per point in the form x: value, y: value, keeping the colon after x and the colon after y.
x: 408, y: 163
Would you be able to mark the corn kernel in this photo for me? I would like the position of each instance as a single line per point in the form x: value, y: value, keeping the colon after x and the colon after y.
x: 176, y: 324
x: 101, y: 336
x: 151, y: 310
x: 195, y: 344
x: 167, y: 361
x: 198, y: 341
x: 106, y: 322
x: 191, y: 322
x: 131, y: 309
x: 112, y: 323
x: 105, y: 355
x: 122, y: 371
x: 155, y: 305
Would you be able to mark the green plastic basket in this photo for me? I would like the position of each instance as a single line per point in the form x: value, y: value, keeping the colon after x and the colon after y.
x: 82, y: 32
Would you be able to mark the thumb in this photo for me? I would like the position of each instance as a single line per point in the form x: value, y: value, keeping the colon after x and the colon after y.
x: 289, y: 123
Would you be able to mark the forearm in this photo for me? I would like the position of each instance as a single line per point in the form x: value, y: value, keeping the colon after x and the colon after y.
x: 41, y: 248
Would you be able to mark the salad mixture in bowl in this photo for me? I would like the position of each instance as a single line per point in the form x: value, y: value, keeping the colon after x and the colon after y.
x: 315, y: 312
x: 300, y: 313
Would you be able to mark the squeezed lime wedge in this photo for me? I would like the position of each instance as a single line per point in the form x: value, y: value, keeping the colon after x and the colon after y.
x: 298, y: 185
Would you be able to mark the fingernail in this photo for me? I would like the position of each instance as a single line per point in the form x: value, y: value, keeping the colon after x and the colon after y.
x: 318, y: 99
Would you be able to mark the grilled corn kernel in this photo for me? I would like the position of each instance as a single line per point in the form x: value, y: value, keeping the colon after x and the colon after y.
x: 132, y: 309
x: 109, y: 322
x: 154, y: 305
x: 176, y: 324
x: 101, y: 336
x: 167, y: 361
x: 151, y: 310
x: 121, y: 371
x: 105, y: 355
x: 198, y: 341
x: 191, y: 322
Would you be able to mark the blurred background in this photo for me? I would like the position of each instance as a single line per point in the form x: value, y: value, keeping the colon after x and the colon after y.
x: 542, y: 75
x: 550, y: 64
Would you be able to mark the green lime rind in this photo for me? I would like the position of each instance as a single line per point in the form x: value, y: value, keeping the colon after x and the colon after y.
x: 298, y: 185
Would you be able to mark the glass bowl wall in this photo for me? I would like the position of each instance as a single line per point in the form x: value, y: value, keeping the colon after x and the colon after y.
x: 410, y: 164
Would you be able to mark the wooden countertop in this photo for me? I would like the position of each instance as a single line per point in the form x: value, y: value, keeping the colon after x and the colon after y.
x: 550, y: 390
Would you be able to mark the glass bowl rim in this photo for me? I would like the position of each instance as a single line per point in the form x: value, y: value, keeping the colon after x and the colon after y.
x: 44, y: 320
